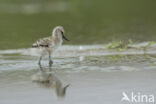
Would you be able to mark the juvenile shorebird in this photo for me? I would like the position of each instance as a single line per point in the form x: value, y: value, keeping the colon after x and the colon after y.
x: 49, y: 44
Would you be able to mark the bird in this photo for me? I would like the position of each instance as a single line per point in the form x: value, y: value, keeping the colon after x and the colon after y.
x: 47, y: 45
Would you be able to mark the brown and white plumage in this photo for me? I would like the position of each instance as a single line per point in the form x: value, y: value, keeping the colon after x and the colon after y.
x: 44, y: 42
x: 49, y: 44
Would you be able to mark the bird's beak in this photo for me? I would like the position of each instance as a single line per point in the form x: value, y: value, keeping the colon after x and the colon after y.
x: 64, y: 37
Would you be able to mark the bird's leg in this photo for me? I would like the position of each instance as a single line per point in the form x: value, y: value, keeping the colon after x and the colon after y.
x: 39, y: 63
x: 50, y: 61
x: 41, y: 69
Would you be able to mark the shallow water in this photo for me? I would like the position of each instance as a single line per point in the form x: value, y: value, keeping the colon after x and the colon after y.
x: 82, y: 58
x: 88, y: 87
x: 94, y: 74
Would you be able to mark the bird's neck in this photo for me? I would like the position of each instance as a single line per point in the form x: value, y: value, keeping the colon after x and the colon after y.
x: 57, y: 40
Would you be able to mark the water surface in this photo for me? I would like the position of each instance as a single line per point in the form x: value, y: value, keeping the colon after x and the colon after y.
x: 85, y: 71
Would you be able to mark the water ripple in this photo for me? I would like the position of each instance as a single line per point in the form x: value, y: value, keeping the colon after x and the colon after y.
x: 83, y: 58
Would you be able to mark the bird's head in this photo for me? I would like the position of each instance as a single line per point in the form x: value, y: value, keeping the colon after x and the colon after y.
x: 58, y: 31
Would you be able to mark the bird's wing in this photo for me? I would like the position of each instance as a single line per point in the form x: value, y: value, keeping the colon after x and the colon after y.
x: 44, y: 42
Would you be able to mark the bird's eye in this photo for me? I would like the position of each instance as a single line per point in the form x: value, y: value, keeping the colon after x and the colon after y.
x: 61, y: 32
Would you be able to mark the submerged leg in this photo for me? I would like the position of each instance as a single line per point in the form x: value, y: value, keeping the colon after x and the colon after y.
x: 39, y: 61
x: 50, y: 61
x: 41, y: 69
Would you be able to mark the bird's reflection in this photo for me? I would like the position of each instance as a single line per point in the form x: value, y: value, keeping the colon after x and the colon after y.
x: 47, y: 79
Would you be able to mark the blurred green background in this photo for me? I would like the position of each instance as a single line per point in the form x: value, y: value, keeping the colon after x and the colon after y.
x: 86, y: 21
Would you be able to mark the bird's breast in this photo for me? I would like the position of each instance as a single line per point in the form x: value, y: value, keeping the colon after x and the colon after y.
x: 56, y: 44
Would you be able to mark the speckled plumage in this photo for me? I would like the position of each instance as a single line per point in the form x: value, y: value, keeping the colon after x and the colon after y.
x: 48, y: 45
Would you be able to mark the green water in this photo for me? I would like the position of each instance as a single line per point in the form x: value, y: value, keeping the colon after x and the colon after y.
x: 85, y: 21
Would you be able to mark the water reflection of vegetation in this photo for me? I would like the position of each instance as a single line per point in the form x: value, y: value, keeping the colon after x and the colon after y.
x: 149, y: 59
x: 148, y: 45
x: 119, y: 59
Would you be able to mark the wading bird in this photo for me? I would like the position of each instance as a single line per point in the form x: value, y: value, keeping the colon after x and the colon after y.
x: 46, y: 46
